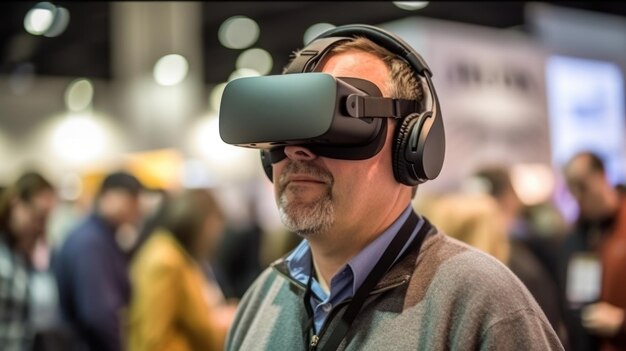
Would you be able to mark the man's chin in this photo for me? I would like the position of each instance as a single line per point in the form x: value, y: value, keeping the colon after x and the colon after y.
x: 304, y: 219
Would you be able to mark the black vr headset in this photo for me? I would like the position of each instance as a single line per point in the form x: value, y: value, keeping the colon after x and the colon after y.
x: 336, y: 117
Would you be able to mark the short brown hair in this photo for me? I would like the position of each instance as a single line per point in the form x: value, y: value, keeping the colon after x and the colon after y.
x: 402, y: 82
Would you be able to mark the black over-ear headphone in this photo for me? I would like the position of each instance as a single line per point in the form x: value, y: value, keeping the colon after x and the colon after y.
x: 419, y: 141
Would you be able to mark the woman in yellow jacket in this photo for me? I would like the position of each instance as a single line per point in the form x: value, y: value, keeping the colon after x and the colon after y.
x: 173, y: 306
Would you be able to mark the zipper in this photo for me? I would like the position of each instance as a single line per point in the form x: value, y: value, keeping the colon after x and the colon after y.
x: 314, y: 340
x: 331, y: 315
x: 299, y: 284
x: 400, y: 282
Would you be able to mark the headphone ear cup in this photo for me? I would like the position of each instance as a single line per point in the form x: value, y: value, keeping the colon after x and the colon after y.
x: 407, y: 160
x: 266, y: 161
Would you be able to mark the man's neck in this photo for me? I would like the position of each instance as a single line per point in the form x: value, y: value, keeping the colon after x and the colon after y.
x: 323, y: 282
x: 334, y: 249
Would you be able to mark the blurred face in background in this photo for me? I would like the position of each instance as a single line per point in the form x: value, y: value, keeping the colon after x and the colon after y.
x: 210, y: 234
x: 29, y: 218
x: 590, y: 188
x: 120, y: 207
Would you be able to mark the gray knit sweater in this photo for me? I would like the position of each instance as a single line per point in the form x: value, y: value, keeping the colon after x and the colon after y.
x: 449, y: 297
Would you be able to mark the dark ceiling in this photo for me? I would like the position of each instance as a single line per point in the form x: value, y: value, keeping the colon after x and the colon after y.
x: 84, y: 49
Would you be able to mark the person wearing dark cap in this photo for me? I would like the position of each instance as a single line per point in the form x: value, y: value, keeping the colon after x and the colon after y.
x: 92, y: 269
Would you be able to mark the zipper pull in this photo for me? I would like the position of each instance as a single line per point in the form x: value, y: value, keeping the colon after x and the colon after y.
x: 314, y: 340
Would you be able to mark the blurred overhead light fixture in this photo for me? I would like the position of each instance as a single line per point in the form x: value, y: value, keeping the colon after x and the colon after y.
x: 60, y: 22
x: 242, y: 73
x: 257, y: 59
x: 411, y: 5
x: 170, y: 69
x: 238, y: 32
x: 315, y: 30
x: 46, y: 19
x: 223, y: 160
x: 79, y: 95
x: 79, y: 139
x: 216, y: 97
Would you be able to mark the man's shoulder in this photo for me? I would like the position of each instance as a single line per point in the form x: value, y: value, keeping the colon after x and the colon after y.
x: 271, y: 284
x: 84, y: 236
x: 465, y: 270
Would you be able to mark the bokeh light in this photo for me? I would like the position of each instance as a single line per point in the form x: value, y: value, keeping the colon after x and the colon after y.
x: 238, y: 32
x: 257, y: 59
x: 46, y: 19
x: 79, y: 95
x: 315, y: 30
x: 171, y: 69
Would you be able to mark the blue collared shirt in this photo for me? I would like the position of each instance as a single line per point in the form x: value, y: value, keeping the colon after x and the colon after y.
x: 346, y: 282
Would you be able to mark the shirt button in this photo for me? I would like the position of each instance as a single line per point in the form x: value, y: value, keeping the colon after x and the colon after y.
x: 327, y: 307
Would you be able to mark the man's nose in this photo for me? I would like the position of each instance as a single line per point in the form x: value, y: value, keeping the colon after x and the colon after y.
x: 299, y: 153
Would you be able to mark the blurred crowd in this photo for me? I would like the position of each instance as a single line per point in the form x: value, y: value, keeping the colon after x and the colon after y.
x: 137, y: 269
x: 122, y: 276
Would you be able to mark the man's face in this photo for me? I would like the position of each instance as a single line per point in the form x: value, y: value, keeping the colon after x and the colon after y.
x: 587, y: 187
x: 319, y: 194
x: 122, y: 206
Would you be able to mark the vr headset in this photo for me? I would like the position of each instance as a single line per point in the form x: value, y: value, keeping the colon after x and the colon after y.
x: 334, y: 117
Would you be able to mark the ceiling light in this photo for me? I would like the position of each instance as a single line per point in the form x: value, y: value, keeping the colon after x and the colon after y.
x: 79, y: 95
x: 170, y: 69
x: 39, y: 19
x: 59, y: 23
x: 257, y: 59
x: 79, y: 139
x: 242, y: 73
x: 238, y: 32
x: 216, y: 96
x: 315, y: 30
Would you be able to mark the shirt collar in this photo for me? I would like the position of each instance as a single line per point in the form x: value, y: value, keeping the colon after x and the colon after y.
x: 299, y: 260
x: 363, y: 263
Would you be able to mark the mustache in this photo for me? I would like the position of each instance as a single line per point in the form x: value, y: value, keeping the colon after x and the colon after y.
x: 304, y: 168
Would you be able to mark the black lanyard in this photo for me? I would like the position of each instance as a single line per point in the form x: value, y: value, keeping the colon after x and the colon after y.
x: 383, y: 265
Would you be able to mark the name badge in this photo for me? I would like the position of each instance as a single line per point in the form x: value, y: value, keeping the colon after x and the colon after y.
x: 584, y: 278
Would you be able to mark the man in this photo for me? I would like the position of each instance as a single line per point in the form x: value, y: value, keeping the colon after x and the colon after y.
x: 593, y: 258
x: 92, y: 269
x: 348, y: 211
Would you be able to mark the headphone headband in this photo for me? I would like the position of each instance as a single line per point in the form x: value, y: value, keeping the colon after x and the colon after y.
x: 419, y: 142
x: 383, y: 38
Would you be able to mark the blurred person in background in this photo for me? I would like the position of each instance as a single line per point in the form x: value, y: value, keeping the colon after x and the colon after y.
x: 531, y: 257
x: 174, y: 306
x: 238, y: 259
x: 473, y: 219
x: 25, y: 292
x: 593, y: 258
x: 92, y: 268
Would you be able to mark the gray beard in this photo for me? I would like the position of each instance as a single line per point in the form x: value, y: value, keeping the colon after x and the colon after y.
x: 306, y: 218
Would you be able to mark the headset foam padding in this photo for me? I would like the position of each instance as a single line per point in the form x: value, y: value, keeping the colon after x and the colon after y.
x: 266, y: 161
